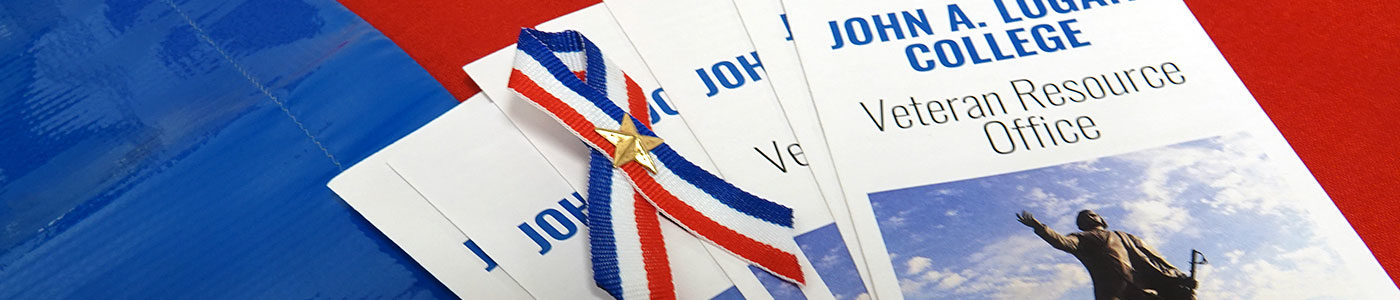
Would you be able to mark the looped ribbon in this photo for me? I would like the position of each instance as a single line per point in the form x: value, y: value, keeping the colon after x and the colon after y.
x: 635, y: 178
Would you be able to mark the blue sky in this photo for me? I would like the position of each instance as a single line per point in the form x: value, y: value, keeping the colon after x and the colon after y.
x: 1222, y: 196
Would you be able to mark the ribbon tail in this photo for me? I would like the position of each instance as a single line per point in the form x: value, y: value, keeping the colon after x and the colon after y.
x: 629, y: 254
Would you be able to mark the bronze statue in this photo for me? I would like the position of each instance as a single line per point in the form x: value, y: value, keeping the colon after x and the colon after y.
x: 1121, y: 265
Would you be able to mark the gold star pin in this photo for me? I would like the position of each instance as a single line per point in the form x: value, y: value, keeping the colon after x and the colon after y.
x: 631, y: 145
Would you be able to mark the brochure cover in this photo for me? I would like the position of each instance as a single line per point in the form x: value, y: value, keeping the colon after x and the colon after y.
x: 1031, y: 149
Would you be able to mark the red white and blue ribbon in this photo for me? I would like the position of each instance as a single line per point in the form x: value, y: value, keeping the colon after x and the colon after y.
x: 566, y: 76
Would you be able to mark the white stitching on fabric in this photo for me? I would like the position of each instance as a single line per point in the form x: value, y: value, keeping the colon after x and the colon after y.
x: 203, y: 35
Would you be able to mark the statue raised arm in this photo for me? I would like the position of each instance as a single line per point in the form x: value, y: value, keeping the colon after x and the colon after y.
x: 1121, y: 265
x: 1065, y: 243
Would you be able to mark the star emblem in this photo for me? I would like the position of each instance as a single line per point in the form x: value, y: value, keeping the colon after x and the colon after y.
x: 631, y: 145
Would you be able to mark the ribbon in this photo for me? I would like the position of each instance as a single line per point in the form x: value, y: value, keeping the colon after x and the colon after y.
x: 631, y: 189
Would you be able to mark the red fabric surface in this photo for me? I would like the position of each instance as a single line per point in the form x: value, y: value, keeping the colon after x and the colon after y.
x: 1322, y: 70
x: 444, y: 35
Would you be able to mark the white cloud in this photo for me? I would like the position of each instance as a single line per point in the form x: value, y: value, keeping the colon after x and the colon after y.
x: 917, y: 264
x: 1156, y: 220
x: 1305, y: 273
x: 829, y: 260
x: 897, y: 220
x: 1016, y: 267
x: 932, y: 280
x: 951, y: 281
x: 1059, y: 210
x: 1061, y: 278
x: 1233, y: 257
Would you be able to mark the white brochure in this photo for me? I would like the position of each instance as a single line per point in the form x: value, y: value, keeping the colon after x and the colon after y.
x: 947, y: 118
x: 570, y: 156
x: 700, y: 52
x: 388, y: 202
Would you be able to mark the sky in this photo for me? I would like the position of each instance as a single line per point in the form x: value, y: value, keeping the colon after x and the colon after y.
x: 1222, y: 196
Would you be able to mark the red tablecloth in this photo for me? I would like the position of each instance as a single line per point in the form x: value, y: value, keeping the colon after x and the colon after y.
x: 1324, y: 71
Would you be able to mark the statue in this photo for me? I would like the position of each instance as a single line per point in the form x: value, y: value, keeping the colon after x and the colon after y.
x: 1121, y: 265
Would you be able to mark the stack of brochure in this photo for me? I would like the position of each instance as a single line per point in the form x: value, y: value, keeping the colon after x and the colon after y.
x: 995, y: 149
